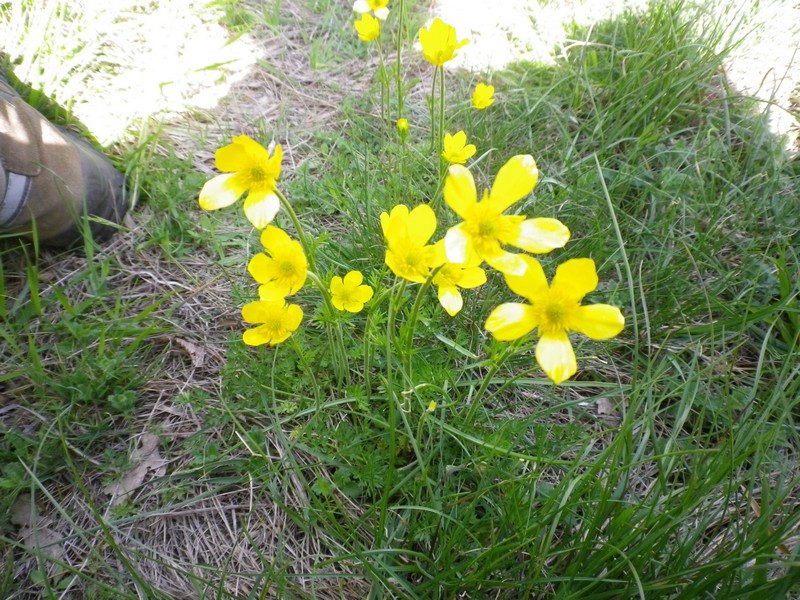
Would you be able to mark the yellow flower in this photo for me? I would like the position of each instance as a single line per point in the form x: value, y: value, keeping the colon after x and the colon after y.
x: 483, y: 96
x: 250, y: 170
x: 555, y: 310
x: 282, y: 268
x: 451, y: 276
x: 402, y: 129
x: 277, y: 319
x: 349, y: 294
x: 456, y: 150
x: 439, y: 43
x: 408, y: 254
x: 485, y: 229
x: 368, y: 28
x: 432, y: 406
x: 377, y: 7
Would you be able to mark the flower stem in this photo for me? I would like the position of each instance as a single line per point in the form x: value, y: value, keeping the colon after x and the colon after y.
x: 299, y: 229
x: 335, y: 334
x: 433, y: 110
x: 398, y: 65
x: 412, y: 319
x: 487, y: 379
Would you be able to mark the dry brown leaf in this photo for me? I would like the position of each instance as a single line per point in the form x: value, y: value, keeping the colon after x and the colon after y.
x: 35, y: 532
x: 195, y: 352
x: 145, y: 458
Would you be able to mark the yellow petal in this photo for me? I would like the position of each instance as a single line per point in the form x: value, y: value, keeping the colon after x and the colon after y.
x: 541, y: 235
x: 459, y: 191
x: 575, y: 278
x: 353, y: 279
x: 274, y: 238
x: 598, y: 321
x: 261, y: 207
x: 457, y: 245
x: 363, y: 293
x: 507, y: 263
x: 218, y: 192
x: 258, y: 336
x: 555, y: 355
x: 293, y: 317
x: 421, y: 224
x: 516, y: 179
x: 337, y: 284
x: 511, y: 321
x: 471, y: 277
x: 450, y: 299
x: 261, y: 268
x: 532, y: 284
x: 256, y: 312
x: 272, y: 291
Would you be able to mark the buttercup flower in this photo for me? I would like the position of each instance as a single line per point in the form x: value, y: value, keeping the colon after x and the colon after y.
x: 485, y: 229
x: 277, y: 319
x: 408, y: 254
x: 248, y: 169
x: 456, y: 150
x: 555, y: 310
x: 350, y: 293
x: 368, y: 28
x: 282, y: 267
x: 402, y: 129
x: 439, y: 43
x: 451, y: 276
x: 377, y: 7
x: 483, y: 96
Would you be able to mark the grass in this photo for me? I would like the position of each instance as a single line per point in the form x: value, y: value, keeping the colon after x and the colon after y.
x: 666, y: 468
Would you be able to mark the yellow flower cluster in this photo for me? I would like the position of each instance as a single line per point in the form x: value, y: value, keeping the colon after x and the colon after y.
x: 282, y: 268
x: 486, y: 234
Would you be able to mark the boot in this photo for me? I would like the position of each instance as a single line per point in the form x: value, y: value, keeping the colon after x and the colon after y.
x: 50, y: 179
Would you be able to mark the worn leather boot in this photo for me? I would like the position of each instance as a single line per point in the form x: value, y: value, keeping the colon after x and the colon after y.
x: 50, y: 179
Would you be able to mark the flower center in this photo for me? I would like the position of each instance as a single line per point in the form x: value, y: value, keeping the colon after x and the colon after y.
x: 258, y: 174
x: 287, y: 268
x: 487, y: 229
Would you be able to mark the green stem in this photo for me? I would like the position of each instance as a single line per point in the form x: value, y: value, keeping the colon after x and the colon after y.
x: 476, y: 401
x: 441, y: 109
x: 433, y: 109
x: 412, y: 320
x: 337, y: 339
x: 390, y: 396
x: 386, y: 116
x: 299, y: 229
x: 398, y: 65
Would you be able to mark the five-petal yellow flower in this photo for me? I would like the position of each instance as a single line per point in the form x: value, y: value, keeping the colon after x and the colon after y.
x: 407, y: 233
x: 282, y: 268
x: 350, y: 293
x: 439, y: 43
x: 377, y: 7
x: 368, y: 28
x: 456, y: 150
x: 276, y: 321
x: 485, y: 229
x: 451, y: 276
x: 483, y: 96
x: 555, y: 310
x: 248, y: 169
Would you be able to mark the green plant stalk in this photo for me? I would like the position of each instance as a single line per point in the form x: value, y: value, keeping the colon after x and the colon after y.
x: 476, y: 401
x: 334, y: 333
x: 390, y: 395
x: 300, y: 232
x: 399, y: 63
x: 386, y: 101
x: 412, y: 319
x: 441, y: 112
x: 433, y: 109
